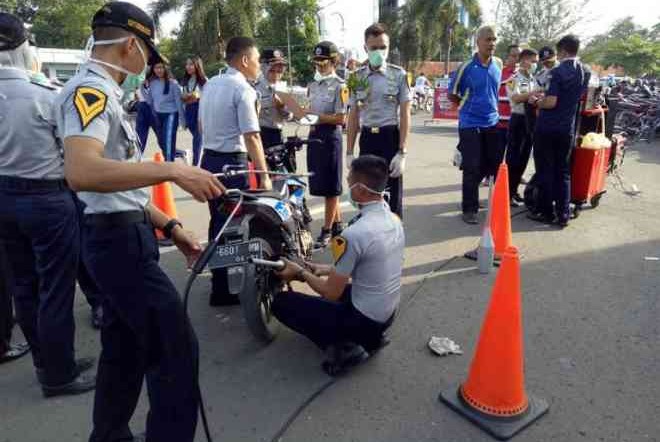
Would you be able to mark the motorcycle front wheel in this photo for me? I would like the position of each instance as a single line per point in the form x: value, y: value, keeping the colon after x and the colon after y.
x: 259, y: 290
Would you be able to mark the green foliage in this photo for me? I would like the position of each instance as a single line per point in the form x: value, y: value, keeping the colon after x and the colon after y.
x: 56, y: 23
x: 627, y: 45
x: 537, y: 23
x: 422, y: 30
x: 303, y: 30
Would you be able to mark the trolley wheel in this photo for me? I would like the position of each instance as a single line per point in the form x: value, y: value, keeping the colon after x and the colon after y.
x: 595, y: 200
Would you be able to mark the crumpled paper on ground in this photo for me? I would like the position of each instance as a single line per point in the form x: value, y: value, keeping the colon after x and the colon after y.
x: 442, y: 346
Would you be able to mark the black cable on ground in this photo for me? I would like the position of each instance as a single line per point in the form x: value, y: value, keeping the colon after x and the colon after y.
x: 318, y: 392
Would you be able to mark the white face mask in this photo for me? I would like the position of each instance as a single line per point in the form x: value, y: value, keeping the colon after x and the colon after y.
x: 320, y: 77
x: 91, y: 43
x: 356, y: 204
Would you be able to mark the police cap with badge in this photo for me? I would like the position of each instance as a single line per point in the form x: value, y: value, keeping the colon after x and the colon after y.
x: 12, y: 32
x: 325, y: 50
x: 272, y: 57
x: 546, y: 53
x: 129, y: 17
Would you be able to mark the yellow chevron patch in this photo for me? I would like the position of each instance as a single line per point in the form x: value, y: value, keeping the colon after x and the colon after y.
x: 89, y: 103
x: 339, y: 244
x: 344, y: 94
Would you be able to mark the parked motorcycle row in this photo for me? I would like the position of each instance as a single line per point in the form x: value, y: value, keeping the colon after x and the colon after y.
x: 635, y: 110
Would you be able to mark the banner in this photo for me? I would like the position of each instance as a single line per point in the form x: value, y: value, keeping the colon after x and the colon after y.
x: 442, y: 107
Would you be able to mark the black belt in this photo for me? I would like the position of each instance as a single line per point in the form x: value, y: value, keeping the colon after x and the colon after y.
x: 117, y: 219
x: 377, y: 130
x: 26, y: 184
x: 325, y: 127
x: 215, y: 153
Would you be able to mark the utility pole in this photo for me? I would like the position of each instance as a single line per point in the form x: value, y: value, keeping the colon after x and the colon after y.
x: 449, y: 32
x: 288, y: 45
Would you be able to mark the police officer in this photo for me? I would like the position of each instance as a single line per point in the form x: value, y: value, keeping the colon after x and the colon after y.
x: 361, y: 292
x: 328, y: 97
x: 145, y: 331
x: 38, y: 217
x: 548, y: 60
x: 381, y: 112
x: 272, y: 112
x: 519, y: 138
x: 230, y: 135
x: 555, y: 131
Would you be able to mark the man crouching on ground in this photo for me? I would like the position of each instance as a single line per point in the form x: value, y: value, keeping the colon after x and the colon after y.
x: 361, y: 292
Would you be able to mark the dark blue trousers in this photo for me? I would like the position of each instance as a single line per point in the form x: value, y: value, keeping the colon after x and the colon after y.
x: 143, y: 122
x: 192, y: 114
x: 168, y: 124
x: 519, y: 149
x: 554, y: 155
x: 214, y: 162
x: 6, y: 305
x: 327, y: 322
x: 40, y: 233
x: 385, y: 144
x: 145, y: 334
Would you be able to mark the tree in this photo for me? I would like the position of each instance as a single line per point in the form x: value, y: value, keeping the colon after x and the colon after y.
x: 627, y: 45
x: 537, y: 23
x: 423, y: 29
x: 208, y: 25
x: 303, y: 30
x: 56, y: 23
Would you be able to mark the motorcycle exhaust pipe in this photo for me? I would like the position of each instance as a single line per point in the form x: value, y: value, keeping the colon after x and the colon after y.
x: 275, y: 265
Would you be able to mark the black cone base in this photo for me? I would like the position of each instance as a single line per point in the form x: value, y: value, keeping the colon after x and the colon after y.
x: 501, y: 428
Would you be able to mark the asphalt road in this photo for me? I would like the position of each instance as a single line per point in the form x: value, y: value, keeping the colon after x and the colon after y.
x: 591, y: 320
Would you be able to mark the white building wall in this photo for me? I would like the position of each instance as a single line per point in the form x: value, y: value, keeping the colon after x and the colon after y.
x: 343, y: 22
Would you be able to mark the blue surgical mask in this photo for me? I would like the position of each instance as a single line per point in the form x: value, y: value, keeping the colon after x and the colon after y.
x: 377, y: 57
x: 532, y: 68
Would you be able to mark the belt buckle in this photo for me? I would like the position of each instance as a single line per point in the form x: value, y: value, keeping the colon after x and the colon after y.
x: 375, y: 130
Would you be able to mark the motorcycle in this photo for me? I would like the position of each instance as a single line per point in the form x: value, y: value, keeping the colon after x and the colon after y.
x: 422, y: 101
x: 261, y: 227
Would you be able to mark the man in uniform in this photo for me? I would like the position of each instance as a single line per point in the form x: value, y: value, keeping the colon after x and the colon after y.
x: 475, y: 89
x: 272, y: 112
x: 38, y: 217
x: 555, y: 131
x: 145, y: 330
x: 361, y: 292
x: 230, y: 136
x: 519, y: 138
x: 548, y: 60
x: 380, y: 112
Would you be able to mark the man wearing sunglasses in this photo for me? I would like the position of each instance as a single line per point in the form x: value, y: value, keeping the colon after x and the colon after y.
x: 380, y: 112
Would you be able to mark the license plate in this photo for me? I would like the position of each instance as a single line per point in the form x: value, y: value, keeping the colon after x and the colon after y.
x: 227, y: 255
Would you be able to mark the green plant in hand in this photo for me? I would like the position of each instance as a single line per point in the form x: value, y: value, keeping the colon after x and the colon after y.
x: 355, y: 83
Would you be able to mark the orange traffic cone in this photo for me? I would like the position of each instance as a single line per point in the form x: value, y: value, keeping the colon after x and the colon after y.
x: 493, y: 397
x: 500, y: 219
x: 163, y: 198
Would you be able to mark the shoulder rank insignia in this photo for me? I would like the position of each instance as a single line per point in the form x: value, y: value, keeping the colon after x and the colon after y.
x: 89, y: 103
x: 344, y: 93
x: 338, y: 247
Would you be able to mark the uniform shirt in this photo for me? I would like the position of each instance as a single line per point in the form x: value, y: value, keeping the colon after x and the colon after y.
x: 520, y: 84
x: 568, y: 82
x: 477, y: 85
x: 543, y: 78
x: 228, y: 109
x: 269, y: 115
x: 371, y: 251
x: 380, y: 102
x: 29, y: 147
x: 328, y: 96
x: 165, y: 103
x: 89, y: 106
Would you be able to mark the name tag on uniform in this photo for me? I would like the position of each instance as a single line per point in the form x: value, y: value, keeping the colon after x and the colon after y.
x: 391, y: 98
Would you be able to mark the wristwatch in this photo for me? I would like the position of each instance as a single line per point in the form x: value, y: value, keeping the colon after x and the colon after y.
x: 167, y: 228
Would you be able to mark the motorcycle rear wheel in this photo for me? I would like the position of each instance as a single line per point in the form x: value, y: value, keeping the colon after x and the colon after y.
x: 259, y: 291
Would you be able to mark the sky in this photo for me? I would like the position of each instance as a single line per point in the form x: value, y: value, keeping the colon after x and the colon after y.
x: 602, y: 13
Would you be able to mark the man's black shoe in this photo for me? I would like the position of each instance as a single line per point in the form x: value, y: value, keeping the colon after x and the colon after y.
x: 223, y: 300
x: 517, y: 198
x: 539, y: 217
x: 342, y: 357
x: 81, y: 384
x: 513, y: 203
x: 82, y: 365
x: 470, y: 218
x: 337, y: 228
x: 97, y: 317
x: 563, y: 223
